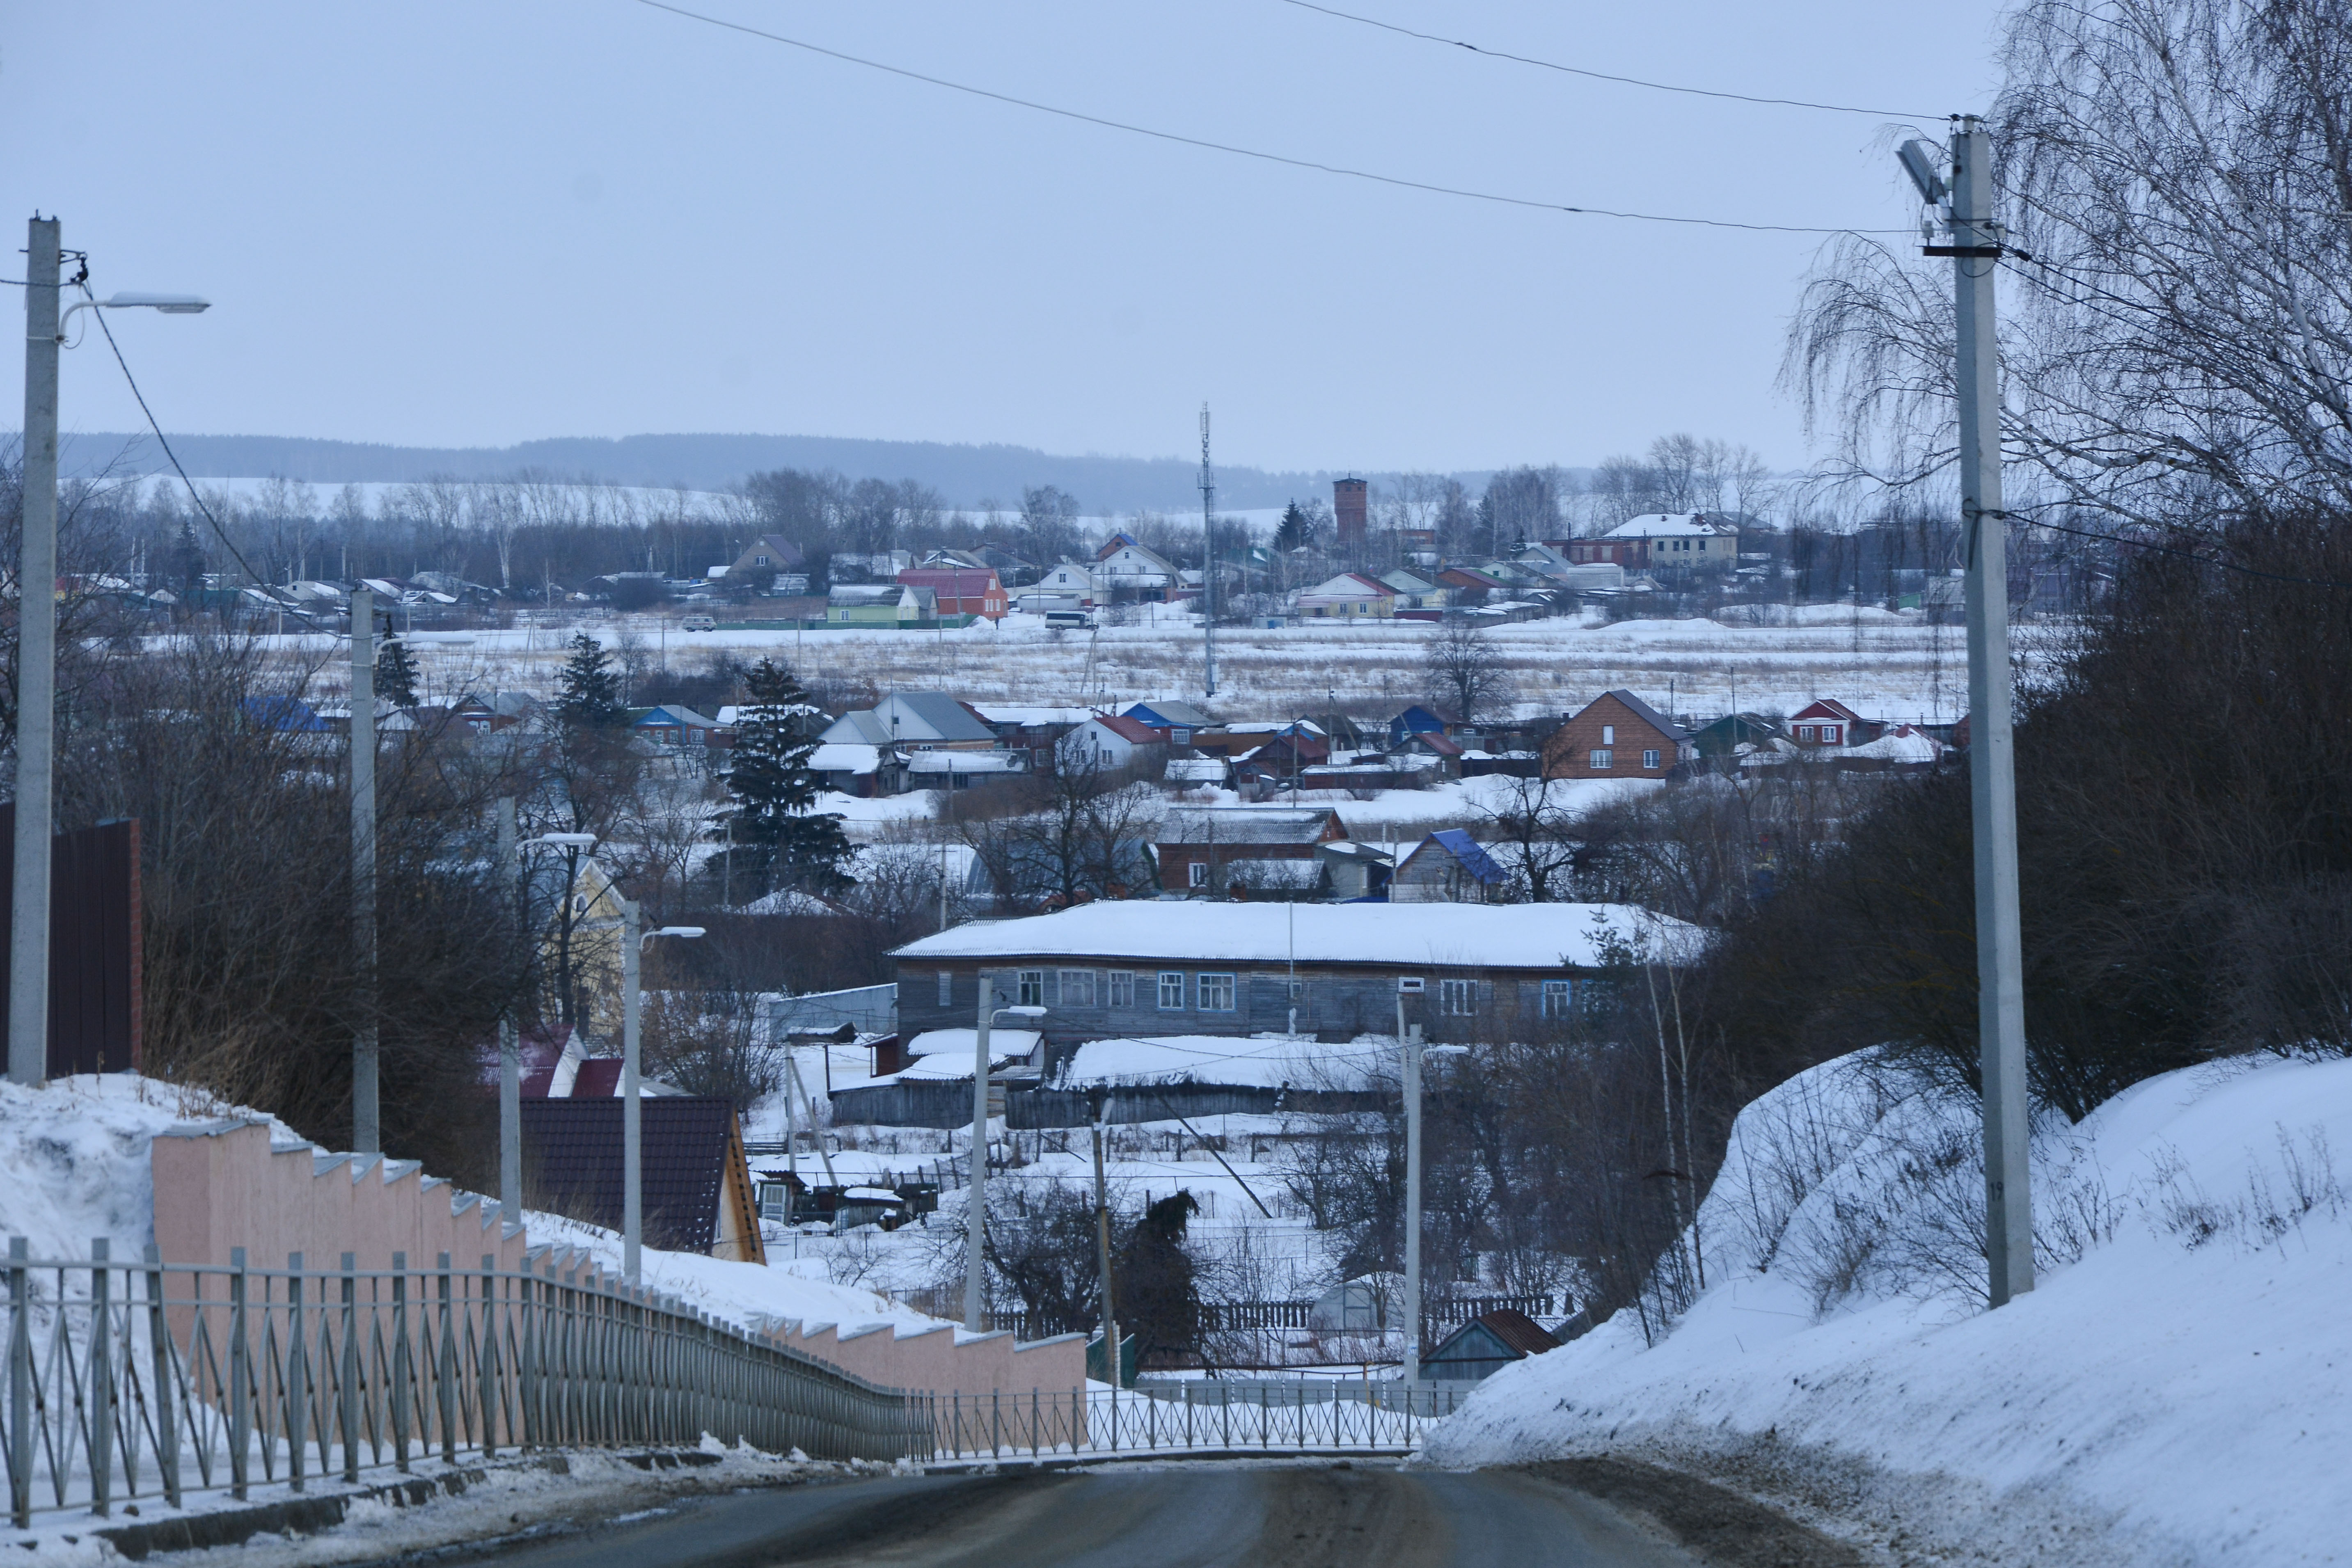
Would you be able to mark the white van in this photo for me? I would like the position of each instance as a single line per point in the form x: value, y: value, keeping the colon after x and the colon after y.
x: 697, y: 624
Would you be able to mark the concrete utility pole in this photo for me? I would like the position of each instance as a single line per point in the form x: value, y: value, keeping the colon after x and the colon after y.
x: 37, y: 672
x: 1112, y: 1361
x: 1976, y: 250
x: 367, y: 1129
x: 1408, y: 1043
x: 509, y: 1054
x: 632, y: 1191
x: 1207, y: 558
x: 975, y: 1220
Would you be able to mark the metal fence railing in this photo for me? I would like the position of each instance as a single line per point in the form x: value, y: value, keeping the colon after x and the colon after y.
x: 1335, y: 1414
x: 129, y: 1380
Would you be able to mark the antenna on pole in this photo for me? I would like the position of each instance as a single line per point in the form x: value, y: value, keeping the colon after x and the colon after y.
x: 1208, y: 559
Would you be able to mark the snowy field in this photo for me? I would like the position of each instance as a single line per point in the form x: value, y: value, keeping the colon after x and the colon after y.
x: 1896, y: 666
x: 2177, y: 1390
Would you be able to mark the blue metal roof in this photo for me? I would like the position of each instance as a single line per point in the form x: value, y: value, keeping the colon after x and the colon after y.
x: 1474, y: 859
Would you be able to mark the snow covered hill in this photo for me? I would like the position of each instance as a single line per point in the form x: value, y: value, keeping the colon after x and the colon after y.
x: 2177, y: 1389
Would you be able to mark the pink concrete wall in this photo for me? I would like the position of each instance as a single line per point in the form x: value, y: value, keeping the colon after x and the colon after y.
x: 219, y: 1186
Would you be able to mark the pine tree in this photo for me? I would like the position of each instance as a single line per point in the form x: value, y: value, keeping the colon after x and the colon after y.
x: 1293, y: 531
x: 589, y: 691
x: 773, y: 829
x: 395, y: 674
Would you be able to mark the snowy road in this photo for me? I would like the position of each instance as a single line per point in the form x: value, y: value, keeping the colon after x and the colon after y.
x: 1364, y: 1516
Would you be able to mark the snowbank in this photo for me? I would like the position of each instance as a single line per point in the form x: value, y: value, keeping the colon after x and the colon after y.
x: 73, y: 1159
x: 2174, y: 1390
x: 1267, y: 1061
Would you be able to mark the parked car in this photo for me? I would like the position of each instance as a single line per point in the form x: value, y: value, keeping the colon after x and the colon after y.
x: 697, y: 624
x: 1068, y: 618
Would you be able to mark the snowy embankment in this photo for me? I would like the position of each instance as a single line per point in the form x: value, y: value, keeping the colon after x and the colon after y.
x: 2177, y: 1390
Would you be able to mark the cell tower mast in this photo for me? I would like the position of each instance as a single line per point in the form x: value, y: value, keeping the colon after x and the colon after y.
x: 1208, y: 557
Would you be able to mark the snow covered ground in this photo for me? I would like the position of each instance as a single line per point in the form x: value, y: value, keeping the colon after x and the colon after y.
x: 2177, y: 1390
x: 1899, y: 666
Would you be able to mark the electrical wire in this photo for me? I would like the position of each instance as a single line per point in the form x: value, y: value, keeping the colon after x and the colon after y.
x: 1309, y: 163
x: 163, y: 441
x: 1604, y: 76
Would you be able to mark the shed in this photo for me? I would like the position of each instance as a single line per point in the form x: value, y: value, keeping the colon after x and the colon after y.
x: 1485, y: 1345
x: 1447, y: 868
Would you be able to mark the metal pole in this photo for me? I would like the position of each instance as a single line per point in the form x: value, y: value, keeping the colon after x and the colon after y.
x: 36, y: 668
x: 1410, y: 1046
x: 509, y: 1053
x: 2000, y: 986
x: 975, y: 1220
x: 632, y: 1196
x: 367, y: 1132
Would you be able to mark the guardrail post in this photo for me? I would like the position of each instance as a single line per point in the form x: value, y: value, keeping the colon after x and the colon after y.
x: 101, y: 1381
x: 159, y: 1343
x: 489, y: 1354
x: 240, y: 1379
x: 20, y: 1385
x: 445, y: 1375
x: 348, y: 1406
x: 296, y: 1373
x: 400, y: 1362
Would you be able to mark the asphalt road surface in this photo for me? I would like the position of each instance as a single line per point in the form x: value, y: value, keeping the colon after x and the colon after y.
x: 1368, y: 1515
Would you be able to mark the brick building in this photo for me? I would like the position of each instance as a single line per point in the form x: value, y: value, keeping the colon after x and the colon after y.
x: 1616, y: 736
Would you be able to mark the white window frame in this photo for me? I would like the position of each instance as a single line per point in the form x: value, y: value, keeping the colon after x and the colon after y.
x: 947, y: 988
x: 1197, y: 874
x: 1457, y: 998
x: 1122, y: 987
x: 1211, y: 983
x: 1608, y: 734
x: 1077, y: 987
x: 1650, y: 758
x: 1559, y: 998
x: 1032, y: 988
x: 1172, y: 984
x: 1602, y: 759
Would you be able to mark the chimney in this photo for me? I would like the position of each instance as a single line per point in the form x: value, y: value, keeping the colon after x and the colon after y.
x: 1348, y: 510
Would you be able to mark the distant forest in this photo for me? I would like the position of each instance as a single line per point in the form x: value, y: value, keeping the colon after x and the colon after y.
x: 963, y: 476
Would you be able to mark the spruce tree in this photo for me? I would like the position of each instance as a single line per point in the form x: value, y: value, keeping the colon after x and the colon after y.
x: 589, y: 691
x: 395, y: 674
x: 773, y: 829
x: 1293, y: 531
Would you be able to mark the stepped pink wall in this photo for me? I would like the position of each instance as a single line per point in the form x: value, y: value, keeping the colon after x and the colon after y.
x: 219, y: 1184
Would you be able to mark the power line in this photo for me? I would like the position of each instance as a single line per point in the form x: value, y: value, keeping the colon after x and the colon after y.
x: 163, y: 441
x: 1239, y: 152
x: 1604, y: 76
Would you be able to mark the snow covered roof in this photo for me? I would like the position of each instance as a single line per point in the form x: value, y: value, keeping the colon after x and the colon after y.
x: 1245, y: 825
x: 1196, y: 770
x: 1904, y: 745
x: 1670, y: 525
x: 1266, y: 1061
x: 1407, y: 936
x: 844, y: 757
x: 967, y: 762
x: 961, y: 1043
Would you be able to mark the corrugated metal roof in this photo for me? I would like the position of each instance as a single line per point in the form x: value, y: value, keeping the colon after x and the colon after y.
x: 1246, y: 824
x: 572, y: 1149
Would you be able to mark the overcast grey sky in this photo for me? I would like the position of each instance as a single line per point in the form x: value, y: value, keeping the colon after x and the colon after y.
x: 472, y: 223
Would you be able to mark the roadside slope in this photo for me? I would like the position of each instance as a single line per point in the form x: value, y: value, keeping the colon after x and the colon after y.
x: 2175, y: 1390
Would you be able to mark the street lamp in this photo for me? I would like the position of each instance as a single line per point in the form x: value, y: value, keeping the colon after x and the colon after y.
x: 975, y: 1296
x: 633, y: 1199
x: 37, y: 664
x: 1409, y: 1042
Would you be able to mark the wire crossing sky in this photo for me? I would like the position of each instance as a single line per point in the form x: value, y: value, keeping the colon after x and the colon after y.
x: 1041, y: 223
